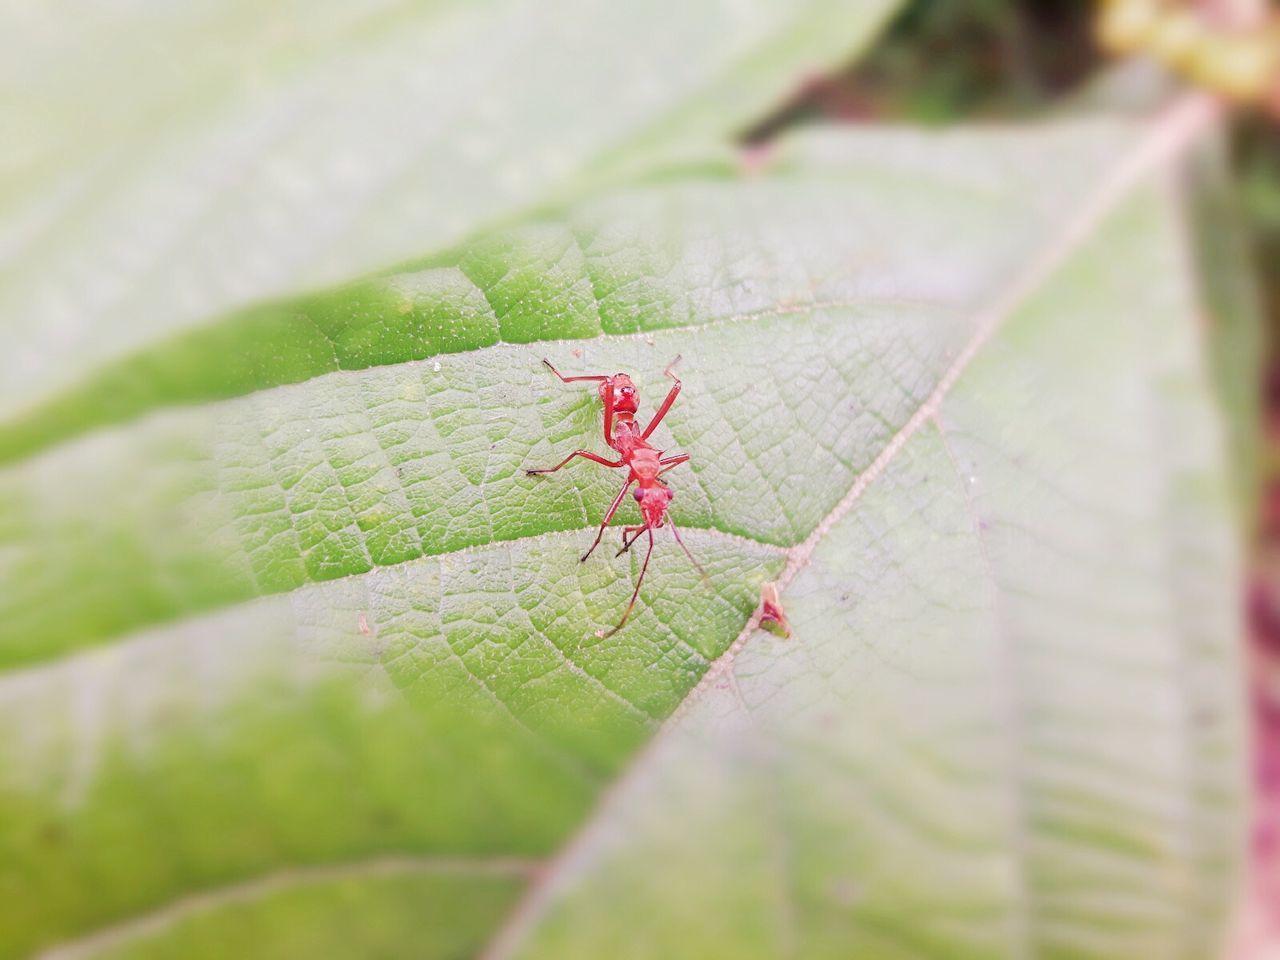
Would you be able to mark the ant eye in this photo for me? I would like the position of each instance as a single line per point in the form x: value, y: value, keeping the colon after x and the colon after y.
x: 639, y: 494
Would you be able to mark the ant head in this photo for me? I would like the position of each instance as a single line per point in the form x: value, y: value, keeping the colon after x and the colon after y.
x: 653, y: 502
x: 626, y: 399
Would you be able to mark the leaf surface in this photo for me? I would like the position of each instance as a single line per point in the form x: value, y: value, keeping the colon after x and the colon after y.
x: 302, y: 630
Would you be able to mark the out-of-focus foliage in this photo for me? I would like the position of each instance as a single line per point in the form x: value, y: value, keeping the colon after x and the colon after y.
x: 940, y: 62
x: 1232, y: 49
x: 1259, y: 149
x: 298, y: 662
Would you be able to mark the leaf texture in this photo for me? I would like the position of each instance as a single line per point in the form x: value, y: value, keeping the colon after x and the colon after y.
x: 325, y: 624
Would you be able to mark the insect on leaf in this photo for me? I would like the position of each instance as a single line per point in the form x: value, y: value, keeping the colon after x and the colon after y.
x: 309, y: 666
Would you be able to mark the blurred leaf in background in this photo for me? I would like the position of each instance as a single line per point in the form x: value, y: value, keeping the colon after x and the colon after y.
x: 298, y: 662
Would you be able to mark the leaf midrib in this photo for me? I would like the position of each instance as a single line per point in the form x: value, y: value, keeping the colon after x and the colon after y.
x: 127, y: 635
x: 21, y: 439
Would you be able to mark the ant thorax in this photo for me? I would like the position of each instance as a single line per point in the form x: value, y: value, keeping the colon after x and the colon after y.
x: 626, y: 435
x: 644, y: 462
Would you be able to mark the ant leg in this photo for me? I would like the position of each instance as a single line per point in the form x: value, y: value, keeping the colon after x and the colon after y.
x: 608, y: 412
x: 666, y: 404
x: 626, y: 544
x: 696, y: 565
x: 672, y: 462
x: 613, y: 508
x: 635, y: 593
x: 587, y: 454
x: 598, y: 377
x: 607, y: 394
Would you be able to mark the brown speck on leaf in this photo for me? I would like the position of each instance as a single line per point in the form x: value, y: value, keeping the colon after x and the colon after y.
x: 772, y: 616
x: 577, y: 352
x: 363, y: 625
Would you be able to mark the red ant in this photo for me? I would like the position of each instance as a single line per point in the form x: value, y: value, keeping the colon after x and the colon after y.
x: 645, y: 465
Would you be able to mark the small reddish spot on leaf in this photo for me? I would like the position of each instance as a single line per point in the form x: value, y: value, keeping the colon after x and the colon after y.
x: 772, y: 616
x: 363, y: 625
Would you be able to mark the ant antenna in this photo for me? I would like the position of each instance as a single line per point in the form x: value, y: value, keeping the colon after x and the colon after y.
x: 626, y: 545
x: 635, y: 593
x: 635, y: 535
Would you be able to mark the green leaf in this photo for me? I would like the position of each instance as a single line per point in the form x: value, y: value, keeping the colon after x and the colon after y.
x: 323, y: 652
